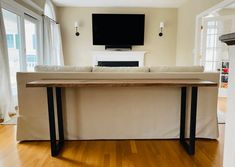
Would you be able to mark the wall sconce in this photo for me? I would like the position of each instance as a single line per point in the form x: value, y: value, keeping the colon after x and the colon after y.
x: 76, y: 25
x: 162, y: 25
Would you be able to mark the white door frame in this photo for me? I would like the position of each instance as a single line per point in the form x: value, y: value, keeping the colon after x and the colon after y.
x: 20, y: 10
x: 202, y: 41
x: 198, y: 27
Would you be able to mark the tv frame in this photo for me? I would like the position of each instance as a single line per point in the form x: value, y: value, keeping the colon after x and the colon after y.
x: 125, y: 46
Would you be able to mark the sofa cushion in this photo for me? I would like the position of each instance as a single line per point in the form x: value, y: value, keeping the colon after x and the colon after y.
x: 120, y: 69
x: 47, y: 68
x: 177, y: 69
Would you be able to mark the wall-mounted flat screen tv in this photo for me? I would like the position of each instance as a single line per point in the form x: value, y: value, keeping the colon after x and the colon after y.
x: 118, y: 29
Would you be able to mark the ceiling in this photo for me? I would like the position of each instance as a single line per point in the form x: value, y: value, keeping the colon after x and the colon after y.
x: 121, y: 3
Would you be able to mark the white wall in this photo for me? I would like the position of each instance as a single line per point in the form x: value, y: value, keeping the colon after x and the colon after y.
x: 186, y: 28
x: 229, y: 151
x: 224, y: 12
x: 77, y: 50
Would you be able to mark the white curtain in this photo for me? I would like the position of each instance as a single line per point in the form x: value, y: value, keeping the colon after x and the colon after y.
x: 53, y: 53
x: 6, y: 100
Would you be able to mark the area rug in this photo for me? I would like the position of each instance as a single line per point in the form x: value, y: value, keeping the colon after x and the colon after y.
x: 221, y: 117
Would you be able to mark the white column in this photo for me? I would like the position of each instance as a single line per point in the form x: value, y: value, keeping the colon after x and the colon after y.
x: 229, y: 145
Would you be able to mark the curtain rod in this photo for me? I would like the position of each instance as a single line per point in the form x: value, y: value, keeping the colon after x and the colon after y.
x: 50, y: 19
x: 30, y: 16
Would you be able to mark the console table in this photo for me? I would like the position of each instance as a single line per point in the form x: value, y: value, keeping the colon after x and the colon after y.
x: 181, y: 83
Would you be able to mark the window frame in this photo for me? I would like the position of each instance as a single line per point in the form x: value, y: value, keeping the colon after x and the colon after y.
x: 24, y: 14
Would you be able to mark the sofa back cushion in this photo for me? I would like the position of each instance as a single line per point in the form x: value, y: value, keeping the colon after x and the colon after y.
x: 47, y: 68
x: 177, y: 69
x: 120, y: 69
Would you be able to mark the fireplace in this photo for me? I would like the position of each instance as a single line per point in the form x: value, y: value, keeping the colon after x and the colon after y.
x: 118, y: 63
x: 118, y: 58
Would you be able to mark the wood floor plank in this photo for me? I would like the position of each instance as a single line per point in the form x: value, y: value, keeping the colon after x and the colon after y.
x: 133, y: 147
x: 109, y: 153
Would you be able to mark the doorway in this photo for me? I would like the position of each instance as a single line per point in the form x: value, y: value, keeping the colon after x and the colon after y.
x: 222, y: 21
x: 23, y: 43
x: 214, y: 54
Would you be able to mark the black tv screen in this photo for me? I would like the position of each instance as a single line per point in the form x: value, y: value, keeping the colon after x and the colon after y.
x: 118, y: 29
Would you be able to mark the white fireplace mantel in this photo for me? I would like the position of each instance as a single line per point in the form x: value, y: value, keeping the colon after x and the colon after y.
x: 118, y: 56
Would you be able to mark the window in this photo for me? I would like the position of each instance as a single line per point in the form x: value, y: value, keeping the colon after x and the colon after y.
x: 24, y: 41
x: 34, y: 40
x: 31, y: 43
x: 10, y: 41
x: 49, y: 10
x: 212, y: 58
x: 17, y: 41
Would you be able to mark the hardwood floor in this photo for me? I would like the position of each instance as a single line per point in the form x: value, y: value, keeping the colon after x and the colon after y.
x: 122, y: 153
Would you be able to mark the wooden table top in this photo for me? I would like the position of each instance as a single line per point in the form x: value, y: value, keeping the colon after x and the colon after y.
x: 120, y: 83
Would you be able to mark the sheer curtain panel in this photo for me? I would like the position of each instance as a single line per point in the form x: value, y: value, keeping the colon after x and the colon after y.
x: 6, y: 100
x: 53, y: 54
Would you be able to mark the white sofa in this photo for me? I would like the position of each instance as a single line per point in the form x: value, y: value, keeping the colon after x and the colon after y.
x: 117, y: 112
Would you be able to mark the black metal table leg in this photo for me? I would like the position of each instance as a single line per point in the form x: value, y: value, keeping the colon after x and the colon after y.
x: 193, y: 118
x: 55, y: 148
x: 60, y: 116
x: 190, y: 147
x: 183, y: 113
